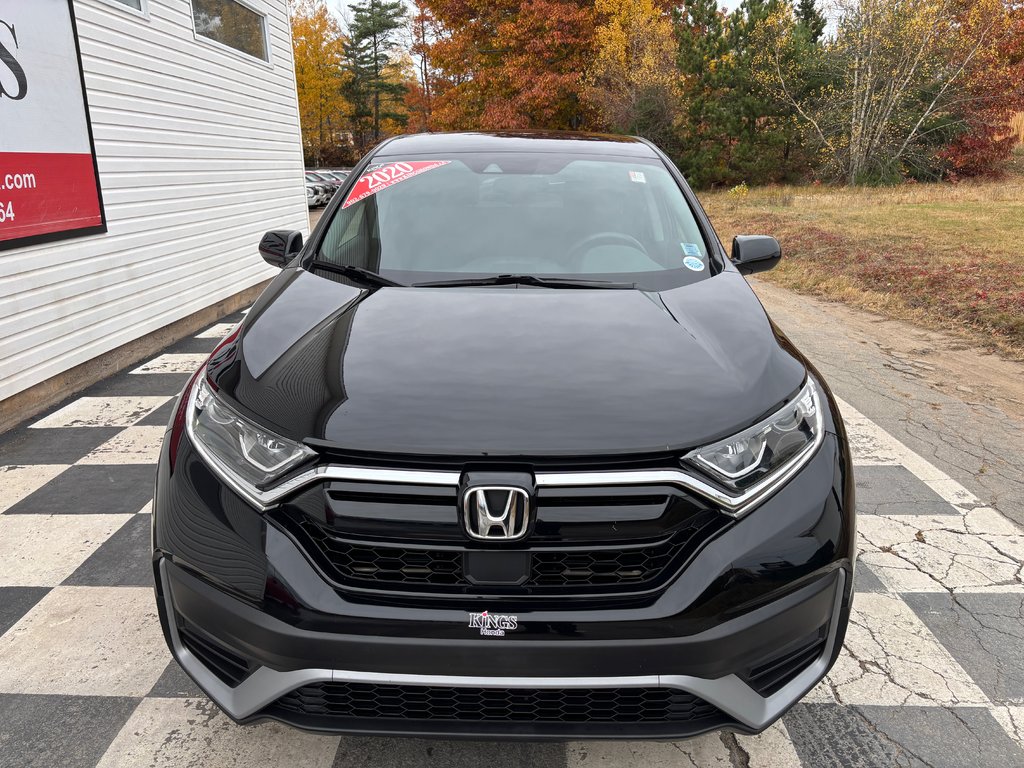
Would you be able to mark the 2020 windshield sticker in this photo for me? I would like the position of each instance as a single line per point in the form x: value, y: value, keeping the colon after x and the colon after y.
x: 690, y: 249
x: 693, y: 263
x: 387, y: 176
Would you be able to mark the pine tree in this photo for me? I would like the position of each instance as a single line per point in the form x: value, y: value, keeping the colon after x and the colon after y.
x: 811, y: 19
x: 700, y: 33
x: 374, y: 38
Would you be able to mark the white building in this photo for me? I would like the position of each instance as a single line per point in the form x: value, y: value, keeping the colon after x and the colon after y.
x: 195, y: 126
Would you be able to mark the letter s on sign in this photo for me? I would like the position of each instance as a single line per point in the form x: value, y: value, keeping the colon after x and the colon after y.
x: 7, y: 59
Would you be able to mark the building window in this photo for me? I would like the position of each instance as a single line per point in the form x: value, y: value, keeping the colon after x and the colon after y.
x: 233, y: 24
x: 135, y: 5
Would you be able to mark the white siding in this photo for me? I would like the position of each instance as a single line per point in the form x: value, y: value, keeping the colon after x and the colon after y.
x: 199, y: 153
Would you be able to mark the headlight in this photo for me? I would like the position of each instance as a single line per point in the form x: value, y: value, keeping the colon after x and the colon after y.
x: 741, y: 461
x: 239, y: 447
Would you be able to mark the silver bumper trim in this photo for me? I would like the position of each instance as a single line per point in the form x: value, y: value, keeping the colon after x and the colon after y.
x: 730, y: 694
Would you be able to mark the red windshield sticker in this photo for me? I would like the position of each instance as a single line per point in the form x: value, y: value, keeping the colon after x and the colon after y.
x: 387, y: 176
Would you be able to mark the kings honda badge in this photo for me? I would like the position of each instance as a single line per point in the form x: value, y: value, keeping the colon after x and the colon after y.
x: 493, y: 624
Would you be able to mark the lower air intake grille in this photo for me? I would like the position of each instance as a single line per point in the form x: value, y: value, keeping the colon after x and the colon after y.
x: 229, y: 667
x: 771, y: 676
x: 363, y: 701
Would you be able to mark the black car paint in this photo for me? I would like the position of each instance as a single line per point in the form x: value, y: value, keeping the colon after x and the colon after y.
x: 498, y: 377
x: 506, y: 371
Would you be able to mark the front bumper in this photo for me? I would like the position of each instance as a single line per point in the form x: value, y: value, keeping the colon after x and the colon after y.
x: 274, y: 648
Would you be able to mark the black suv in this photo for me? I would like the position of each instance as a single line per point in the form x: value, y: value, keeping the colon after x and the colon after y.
x: 508, y: 449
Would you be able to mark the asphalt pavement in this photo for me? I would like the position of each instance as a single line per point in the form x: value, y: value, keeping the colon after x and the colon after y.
x: 932, y: 673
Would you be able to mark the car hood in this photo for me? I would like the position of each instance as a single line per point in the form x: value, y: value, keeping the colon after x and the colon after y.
x: 507, y: 371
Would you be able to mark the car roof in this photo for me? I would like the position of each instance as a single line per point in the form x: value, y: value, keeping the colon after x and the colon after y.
x: 519, y: 141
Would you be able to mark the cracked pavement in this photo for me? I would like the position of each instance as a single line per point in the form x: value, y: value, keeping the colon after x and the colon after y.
x: 932, y: 673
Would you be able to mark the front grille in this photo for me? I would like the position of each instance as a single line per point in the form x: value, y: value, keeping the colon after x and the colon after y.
x: 366, y: 701
x: 605, y: 567
x: 623, y: 567
x: 406, y: 540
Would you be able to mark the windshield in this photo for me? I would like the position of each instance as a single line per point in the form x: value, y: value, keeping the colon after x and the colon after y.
x: 428, y: 218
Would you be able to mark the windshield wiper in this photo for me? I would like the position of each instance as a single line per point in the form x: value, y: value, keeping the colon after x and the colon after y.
x: 543, y: 282
x: 359, y: 274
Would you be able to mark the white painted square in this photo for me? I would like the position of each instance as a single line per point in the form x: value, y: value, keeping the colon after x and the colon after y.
x: 899, y: 575
x: 43, y: 550
x: 772, y: 748
x: 20, y: 480
x: 166, y: 733
x: 182, y: 363
x: 820, y: 694
x: 950, y: 490
x: 1012, y: 720
x: 218, y: 331
x: 706, y: 751
x: 103, y: 412
x: 133, y: 445
x: 85, y: 641
x: 892, y: 659
x: 908, y: 552
x: 871, y: 446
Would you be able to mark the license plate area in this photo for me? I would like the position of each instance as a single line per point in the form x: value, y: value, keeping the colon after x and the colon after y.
x: 496, y: 568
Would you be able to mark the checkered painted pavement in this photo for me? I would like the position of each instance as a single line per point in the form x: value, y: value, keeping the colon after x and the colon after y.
x: 932, y: 673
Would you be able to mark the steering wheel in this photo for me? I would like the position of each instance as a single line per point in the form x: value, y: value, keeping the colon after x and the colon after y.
x: 508, y: 266
x: 581, y: 247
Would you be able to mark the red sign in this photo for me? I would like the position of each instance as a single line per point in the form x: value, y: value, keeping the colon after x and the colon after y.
x: 387, y: 176
x: 49, y: 187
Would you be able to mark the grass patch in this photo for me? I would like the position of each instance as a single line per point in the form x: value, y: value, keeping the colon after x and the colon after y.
x: 940, y: 255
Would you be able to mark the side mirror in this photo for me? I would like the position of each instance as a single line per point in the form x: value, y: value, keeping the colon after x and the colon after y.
x: 755, y: 253
x: 278, y: 247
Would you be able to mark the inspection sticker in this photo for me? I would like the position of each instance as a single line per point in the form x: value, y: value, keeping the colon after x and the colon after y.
x: 693, y: 263
x: 690, y: 249
x: 387, y: 176
x: 637, y: 177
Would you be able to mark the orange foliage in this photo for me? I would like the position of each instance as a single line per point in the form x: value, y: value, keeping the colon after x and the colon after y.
x: 993, y: 88
x: 506, y: 65
x: 1017, y: 127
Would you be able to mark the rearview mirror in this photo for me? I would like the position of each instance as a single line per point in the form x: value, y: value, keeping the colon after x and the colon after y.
x: 278, y: 246
x: 755, y: 253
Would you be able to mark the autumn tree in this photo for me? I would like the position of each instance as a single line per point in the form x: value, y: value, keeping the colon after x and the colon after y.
x: 319, y: 49
x: 992, y: 93
x: 632, y: 80
x: 896, y: 82
x: 424, y: 32
x: 375, y: 40
x: 511, y: 63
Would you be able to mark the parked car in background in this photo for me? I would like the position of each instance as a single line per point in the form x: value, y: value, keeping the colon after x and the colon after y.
x: 508, y: 449
x: 315, y: 195
x: 325, y: 188
x: 339, y: 176
x: 319, y: 177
